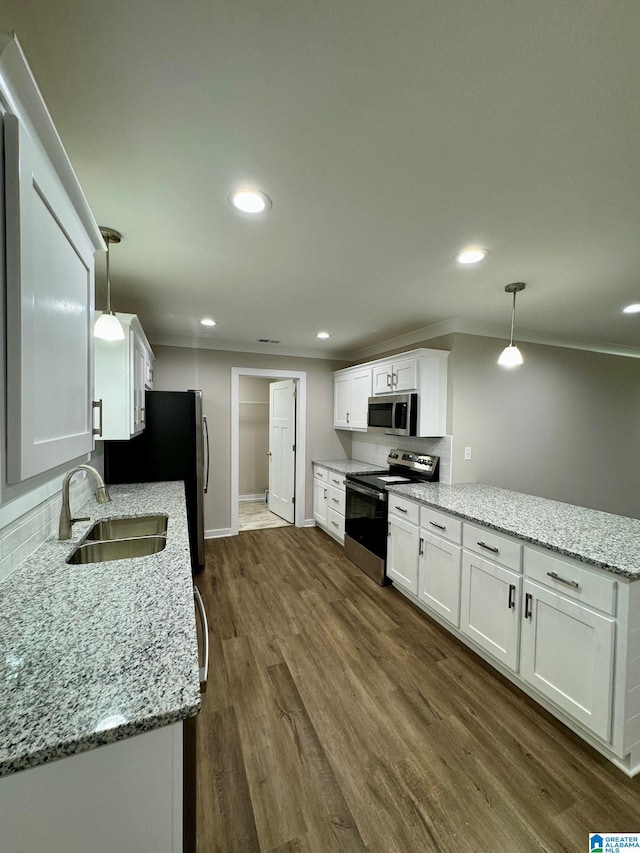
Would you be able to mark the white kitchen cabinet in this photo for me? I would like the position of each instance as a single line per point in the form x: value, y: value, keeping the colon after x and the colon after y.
x: 439, y: 571
x: 49, y: 241
x: 420, y: 371
x: 121, y: 371
x: 125, y: 796
x: 490, y: 608
x: 403, y: 547
x: 567, y: 656
x: 352, y: 389
x: 393, y: 377
x: 329, y: 497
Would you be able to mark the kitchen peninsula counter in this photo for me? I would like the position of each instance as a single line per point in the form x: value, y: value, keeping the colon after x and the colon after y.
x: 601, y: 539
x: 95, y: 653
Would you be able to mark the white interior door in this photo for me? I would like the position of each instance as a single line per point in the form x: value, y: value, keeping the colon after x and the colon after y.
x: 282, y: 454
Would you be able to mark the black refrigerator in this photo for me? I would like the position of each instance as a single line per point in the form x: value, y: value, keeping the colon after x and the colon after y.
x: 173, y: 446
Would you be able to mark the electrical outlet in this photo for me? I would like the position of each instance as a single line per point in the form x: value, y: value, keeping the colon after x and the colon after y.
x: 467, y: 454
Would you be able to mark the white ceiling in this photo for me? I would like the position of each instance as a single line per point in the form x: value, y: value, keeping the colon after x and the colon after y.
x: 389, y: 135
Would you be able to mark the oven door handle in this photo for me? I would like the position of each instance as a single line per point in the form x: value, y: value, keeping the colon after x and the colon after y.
x: 365, y: 490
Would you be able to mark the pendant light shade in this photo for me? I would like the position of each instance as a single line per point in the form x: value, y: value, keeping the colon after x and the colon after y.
x: 108, y: 327
x: 511, y: 355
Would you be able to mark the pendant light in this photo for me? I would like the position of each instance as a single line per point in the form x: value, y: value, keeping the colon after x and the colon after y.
x: 511, y: 355
x: 107, y: 326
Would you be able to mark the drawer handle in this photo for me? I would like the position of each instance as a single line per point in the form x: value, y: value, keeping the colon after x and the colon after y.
x: 512, y: 596
x: 337, y: 482
x: 439, y: 526
x: 421, y: 548
x: 489, y: 548
x: 335, y: 500
x: 335, y: 523
x: 399, y: 508
x: 347, y: 417
x: 528, y: 602
x: 572, y: 584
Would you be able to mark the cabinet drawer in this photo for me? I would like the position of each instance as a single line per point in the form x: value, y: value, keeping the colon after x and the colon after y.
x: 336, y: 499
x: 404, y: 509
x: 493, y: 546
x: 335, y: 480
x: 572, y: 580
x: 441, y: 524
x: 335, y: 523
x: 321, y: 474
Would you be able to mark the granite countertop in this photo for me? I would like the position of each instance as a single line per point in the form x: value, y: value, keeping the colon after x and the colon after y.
x: 608, y: 541
x: 91, y: 654
x: 348, y: 466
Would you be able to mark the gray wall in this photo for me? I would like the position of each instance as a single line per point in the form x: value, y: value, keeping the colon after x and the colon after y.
x: 180, y: 368
x: 253, y: 438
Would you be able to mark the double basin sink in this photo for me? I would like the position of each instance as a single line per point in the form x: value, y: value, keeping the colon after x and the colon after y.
x: 121, y: 539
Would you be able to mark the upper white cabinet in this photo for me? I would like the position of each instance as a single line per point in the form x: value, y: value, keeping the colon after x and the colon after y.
x: 123, y: 372
x: 393, y: 377
x: 50, y: 238
x: 421, y: 371
x: 352, y: 389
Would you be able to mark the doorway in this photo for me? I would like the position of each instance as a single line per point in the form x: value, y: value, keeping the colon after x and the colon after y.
x: 268, y: 431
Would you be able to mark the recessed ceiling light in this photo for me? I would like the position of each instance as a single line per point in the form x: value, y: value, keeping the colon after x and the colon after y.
x: 250, y: 201
x: 634, y: 308
x: 323, y: 335
x: 471, y: 256
x: 207, y: 321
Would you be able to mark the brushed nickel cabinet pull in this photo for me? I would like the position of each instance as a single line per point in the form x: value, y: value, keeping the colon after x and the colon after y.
x: 421, y: 548
x: 572, y: 584
x: 439, y: 526
x: 347, y: 417
x: 335, y: 500
x: 399, y: 508
x: 97, y: 404
x: 512, y: 596
x: 204, y: 669
x: 489, y: 548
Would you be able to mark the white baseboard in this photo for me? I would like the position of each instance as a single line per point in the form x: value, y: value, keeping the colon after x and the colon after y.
x: 259, y: 497
x: 309, y: 522
x: 217, y: 534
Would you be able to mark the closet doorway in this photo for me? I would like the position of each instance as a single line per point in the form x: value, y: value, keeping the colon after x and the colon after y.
x: 267, y: 425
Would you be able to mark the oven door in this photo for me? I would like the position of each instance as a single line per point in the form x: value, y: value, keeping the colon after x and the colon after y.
x: 366, y: 518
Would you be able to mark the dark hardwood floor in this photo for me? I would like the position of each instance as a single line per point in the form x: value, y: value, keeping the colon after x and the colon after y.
x: 340, y: 718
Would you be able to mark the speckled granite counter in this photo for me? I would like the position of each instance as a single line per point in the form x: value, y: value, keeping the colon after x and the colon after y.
x: 348, y: 466
x: 91, y: 654
x: 601, y: 539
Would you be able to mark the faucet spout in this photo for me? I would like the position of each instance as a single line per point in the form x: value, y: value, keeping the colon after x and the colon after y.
x: 102, y: 497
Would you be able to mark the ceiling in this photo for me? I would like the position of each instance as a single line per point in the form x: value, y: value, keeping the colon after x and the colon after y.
x: 388, y: 135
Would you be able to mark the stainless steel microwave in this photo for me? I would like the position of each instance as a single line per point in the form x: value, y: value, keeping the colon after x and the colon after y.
x: 396, y: 414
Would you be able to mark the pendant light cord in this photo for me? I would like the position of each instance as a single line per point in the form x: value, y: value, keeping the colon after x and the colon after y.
x: 108, y: 241
x: 513, y: 315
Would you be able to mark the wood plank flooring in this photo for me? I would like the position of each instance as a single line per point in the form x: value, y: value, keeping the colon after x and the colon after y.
x: 340, y: 718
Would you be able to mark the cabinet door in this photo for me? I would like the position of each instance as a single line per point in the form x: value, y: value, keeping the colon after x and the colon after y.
x: 567, y: 655
x: 490, y: 608
x: 49, y: 323
x: 320, y: 502
x: 402, y: 554
x: 360, y: 393
x: 439, y: 576
x: 138, y: 374
x: 405, y: 375
x: 341, y: 402
x: 382, y: 378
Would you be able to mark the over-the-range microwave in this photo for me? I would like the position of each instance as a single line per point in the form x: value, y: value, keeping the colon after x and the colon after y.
x: 396, y: 414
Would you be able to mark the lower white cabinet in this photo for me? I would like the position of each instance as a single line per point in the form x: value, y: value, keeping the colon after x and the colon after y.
x: 403, y: 553
x: 329, y: 497
x: 490, y: 608
x: 125, y: 796
x: 439, y: 576
x: 567, y: 655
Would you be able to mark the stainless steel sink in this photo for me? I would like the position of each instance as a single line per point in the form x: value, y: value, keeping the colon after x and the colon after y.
x: 117, y: 549
x: 127, y: 528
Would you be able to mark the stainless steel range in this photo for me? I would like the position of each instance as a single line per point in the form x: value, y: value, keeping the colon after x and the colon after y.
x: 365, y: 541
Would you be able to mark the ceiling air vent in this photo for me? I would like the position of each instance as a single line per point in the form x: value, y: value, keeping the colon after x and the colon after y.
x: 267, y: 341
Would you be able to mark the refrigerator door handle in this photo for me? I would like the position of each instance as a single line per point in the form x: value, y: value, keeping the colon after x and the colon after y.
x: 206, y: 433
